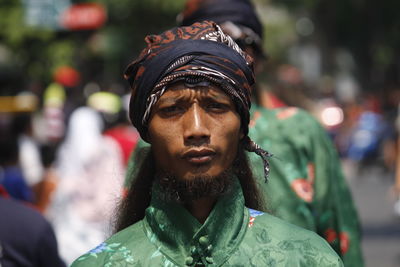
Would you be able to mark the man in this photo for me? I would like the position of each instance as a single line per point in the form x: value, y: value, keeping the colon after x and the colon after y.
x: 307, y: 187
x: 26, y: 237
x: 194, y: 200
x: 89, y: 169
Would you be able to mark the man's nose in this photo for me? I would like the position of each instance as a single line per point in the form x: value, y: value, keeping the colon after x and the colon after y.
x: 196, y: 130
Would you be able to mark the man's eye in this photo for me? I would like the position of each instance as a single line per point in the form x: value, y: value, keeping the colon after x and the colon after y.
x: 171, y: 110
x: 215, y: 106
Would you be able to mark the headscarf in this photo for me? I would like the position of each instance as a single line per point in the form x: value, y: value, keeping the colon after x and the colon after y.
x: 83, y: 137
x: 193, y: 54
x: 239, y: 16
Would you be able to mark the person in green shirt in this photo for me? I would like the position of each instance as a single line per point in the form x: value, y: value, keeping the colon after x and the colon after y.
x: 194, y: 201
x: 307, y: 187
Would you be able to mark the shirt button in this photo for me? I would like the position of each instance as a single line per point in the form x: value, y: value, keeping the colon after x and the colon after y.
x: 203, y: 241
x: 189, y: 261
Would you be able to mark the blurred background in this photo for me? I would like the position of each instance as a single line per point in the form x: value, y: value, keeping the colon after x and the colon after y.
x: 337, y: 59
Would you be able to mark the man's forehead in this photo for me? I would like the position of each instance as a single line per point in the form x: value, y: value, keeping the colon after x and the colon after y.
x: 181, y: 90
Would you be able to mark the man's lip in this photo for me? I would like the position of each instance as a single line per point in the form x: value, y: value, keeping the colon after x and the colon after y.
x: 199, y: 156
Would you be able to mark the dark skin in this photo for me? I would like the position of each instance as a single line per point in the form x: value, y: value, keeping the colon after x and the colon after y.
x: 195, y: 132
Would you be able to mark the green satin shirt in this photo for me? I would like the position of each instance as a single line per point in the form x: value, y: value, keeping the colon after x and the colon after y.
x: 306, y: 185
x: 232, y: 235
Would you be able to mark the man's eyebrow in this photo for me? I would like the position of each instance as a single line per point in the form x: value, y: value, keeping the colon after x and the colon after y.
x: 220, y: 97
x: 169, y: 100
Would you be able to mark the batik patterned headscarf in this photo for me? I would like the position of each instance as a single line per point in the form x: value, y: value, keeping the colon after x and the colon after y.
x: 193, y: 54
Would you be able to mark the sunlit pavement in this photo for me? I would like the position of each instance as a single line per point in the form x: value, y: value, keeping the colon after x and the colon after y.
x: 381, y: 229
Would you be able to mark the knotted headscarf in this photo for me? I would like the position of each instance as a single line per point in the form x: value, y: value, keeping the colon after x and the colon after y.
x: 192, y: 53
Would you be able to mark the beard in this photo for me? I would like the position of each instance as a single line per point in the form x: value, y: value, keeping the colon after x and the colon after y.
x: 196, y: 187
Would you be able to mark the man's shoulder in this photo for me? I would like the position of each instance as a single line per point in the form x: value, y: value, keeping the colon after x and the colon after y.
x: 21, y: 216
x: 285, y: 116
x: 290, y: 114
x: 281, y: 228
x: 286, y: 240
x: 120, y: 248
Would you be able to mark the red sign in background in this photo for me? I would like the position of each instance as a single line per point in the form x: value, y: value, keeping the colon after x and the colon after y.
x: 86, y: 16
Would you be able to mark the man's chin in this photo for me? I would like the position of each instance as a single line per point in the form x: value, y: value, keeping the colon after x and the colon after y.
x: 198, y: 170
x: 194, y: 186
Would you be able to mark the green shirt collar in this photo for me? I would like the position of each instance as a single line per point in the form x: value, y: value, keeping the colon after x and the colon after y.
x: 184, y: 240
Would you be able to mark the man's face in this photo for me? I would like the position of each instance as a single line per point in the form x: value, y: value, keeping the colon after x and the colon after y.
x: 194, y: 132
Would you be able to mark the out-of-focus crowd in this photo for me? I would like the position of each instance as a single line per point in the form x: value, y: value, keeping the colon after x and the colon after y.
x: 69, y: 166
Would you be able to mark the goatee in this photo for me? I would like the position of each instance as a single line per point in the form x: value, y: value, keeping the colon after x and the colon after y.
x: 193, y: 188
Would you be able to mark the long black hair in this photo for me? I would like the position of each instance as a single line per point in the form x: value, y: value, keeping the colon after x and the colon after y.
x: 133, y: 206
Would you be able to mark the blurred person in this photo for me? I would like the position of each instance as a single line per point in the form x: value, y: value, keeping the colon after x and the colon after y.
x: 125, y: 135
x: 370, y: 137
x: 49, y: 130
x: 115, y: 111
x: 26, y: 237
x: 11, y: 176
x: 29, y: 151
x: 289, y: 86
x: 21, y: 161
x: 194, y: 200
x: 11, y: 173
x: 307, y: 186
x: 89, y: 170
x: 33, y: 166
x: 54, y: 113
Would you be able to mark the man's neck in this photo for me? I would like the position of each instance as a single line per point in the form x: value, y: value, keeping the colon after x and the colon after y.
x: 201, y: 208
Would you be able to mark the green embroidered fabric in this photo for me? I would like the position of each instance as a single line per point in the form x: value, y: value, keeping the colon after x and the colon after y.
x: 232, y: 235
x: 307, y: 186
